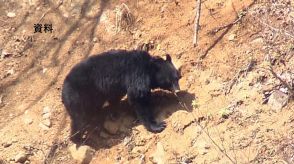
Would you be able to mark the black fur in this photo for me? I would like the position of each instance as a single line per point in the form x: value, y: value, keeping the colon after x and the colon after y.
x: 110, y: 76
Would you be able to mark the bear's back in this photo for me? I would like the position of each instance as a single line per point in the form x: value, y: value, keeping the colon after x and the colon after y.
x: 109, y: 69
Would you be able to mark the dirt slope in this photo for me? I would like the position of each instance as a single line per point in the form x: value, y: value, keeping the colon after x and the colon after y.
x: 226, y: 119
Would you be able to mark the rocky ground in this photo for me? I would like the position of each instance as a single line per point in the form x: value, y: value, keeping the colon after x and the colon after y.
x: 236, y: 105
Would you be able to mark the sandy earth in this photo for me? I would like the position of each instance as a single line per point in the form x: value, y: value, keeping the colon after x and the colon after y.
x: 227, y: 112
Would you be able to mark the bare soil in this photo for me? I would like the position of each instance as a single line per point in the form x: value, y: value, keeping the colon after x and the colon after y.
x: 222, y: 115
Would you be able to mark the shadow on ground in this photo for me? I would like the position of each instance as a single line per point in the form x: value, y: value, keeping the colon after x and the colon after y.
x: 121, y: 120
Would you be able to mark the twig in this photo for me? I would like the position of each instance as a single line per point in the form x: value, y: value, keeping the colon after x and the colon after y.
x: 44, y: 15
x: 51, y: 154
x: 197, y: 18
x: 282, y: 81
x: 281, y: 31
x: 123, y: 13
x: 241, y: 15
x: 245, y: 70
x: 60, y: 3
x: 206, y: 132
x: 239, y: 18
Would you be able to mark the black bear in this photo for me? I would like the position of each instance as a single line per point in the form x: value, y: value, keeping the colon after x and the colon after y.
x: 109, y: 76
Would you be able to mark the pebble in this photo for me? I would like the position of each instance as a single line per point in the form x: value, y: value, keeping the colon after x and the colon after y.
x: 46, y: 109
x: 232, y: 37
x: 159, y: 155
x: 127, y: 140
x: 7, y: 144
x: 21, y: 157
x: 278, y: 100
x: 291, y: 14
x: 83, y: 154
x: 203, y: 148
x: 47, y: 122
x: 46, y: 116
x: 11, y: 14
x: 44, y: 127
x: 4, y: 54
x: 258, y: 41
x: 28, y: 121
x: 10, y: 72
x: 138, y: 149
x: 44, y: 70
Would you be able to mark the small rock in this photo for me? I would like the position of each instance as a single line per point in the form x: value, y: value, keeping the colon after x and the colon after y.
x: 21, y: 157
x: 28, y: 121
x: 232, y: 37
x: 14, y: 140
x: 203, y: 148
x: 7, y: 144
x: 159, y: 155
x: 203, y: 151
x: 95, y: 39
x: 111, y: 126
x: 44, y: 127
x: 257, y: 41
x: 66, y: 15
x: 4, y: 54
x: 46, y: 116
x: 127, y: 140
x: 291, y: 14
x: 11, y: 14
x: 284, y: 90
x: 83, y: 154
x: 138, y: 34
x: 10, y: 72
x: 141, y: 142
x: 225, y: 113
x: 163, y: 8
x: 278, y: 100
x: 47, y: 122
x: 206, y: 146
x: 44, y: 70
x: 138, y: 149
x: 46, y: 109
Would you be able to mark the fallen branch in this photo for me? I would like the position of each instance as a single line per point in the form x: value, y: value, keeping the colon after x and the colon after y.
x: 245, y: 70
x: 123, y: 17
x: 281, y: 31
x: 239, y: 18
x: 205, y: 131
x: 282, y: 81
x: 197, y: 18
x: 60, y: 3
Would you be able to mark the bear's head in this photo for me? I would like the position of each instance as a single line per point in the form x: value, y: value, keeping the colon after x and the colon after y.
x: 165, y: 76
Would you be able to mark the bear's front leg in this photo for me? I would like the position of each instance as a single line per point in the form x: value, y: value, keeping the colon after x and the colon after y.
x: 140, y: 99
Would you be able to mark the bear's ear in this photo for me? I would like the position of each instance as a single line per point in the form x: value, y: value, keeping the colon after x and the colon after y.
x: 168, y: 58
